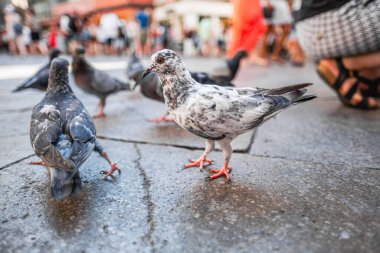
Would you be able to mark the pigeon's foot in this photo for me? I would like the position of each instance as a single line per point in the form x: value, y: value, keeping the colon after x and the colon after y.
x: 99, y: 115
x: 111, y: 171
x: 200, y: 162
x: 221, y: 172
x: 38, y: 163
x: 164, y: 118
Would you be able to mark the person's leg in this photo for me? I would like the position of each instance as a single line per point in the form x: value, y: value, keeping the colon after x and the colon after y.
x: 362, y: 62
x: 284, y: 33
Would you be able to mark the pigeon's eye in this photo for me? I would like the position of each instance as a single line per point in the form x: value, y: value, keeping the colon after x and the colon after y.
x: 160, y: 60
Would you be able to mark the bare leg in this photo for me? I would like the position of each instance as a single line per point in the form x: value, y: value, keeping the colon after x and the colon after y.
x: 225, y: 144
x: 361, y: 62
x: 103, y: 153
x: 285, y: 30
x: 101, y: 113
x: 210, y: 145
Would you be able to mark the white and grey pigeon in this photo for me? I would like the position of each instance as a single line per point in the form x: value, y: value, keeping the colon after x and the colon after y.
x: 63, y: 134
x: 151, y: 87
x: 95, y: 81
x: 218, y: 114
x: 40, y: 79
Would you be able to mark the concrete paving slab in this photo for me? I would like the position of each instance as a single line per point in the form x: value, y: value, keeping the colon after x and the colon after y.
x: 271, y: 205
x: 322, y: 131
x: 14, y: 148
x: 107, y: 216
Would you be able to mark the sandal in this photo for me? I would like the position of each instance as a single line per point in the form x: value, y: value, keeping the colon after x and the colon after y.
x: 371, y: 87
x: 353, y: 94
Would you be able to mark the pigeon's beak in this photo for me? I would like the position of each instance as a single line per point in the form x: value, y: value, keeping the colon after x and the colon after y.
x: 146, y: 72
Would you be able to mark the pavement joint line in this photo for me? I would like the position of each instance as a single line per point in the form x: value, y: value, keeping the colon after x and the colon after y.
x: 15, y: 162
x: 245, y: 151
x: 6, y: 111
x: 147, y: 199
x: 314, y: 162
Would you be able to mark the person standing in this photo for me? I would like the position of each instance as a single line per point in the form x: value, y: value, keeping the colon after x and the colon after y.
x: 14, y: 29
x: 142, y: 18
x: 247, y: 26
x: 33, y: 23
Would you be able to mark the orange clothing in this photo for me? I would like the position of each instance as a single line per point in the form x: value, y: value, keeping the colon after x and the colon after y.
x: 248, y: 25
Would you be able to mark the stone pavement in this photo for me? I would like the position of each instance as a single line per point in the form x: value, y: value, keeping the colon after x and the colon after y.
x: 306, y: 181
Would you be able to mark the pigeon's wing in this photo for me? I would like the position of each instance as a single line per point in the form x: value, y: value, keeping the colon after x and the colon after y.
x: 249, y: 91
x: 45, y: 128
x: 214, y: 114
x: 82, y: 132
x: 105, y: 84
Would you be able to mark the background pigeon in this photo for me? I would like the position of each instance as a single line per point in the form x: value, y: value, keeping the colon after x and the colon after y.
x: 40, y: 79
x: 151, y: 86
x: 94, y: 81
x: 218, y: 113
x: 228, y: 69
x: 62, y: 134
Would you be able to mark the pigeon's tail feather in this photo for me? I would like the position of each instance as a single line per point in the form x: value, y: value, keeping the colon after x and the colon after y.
x: 124, y: 85
x: 63, y: 185
x: 27, y: 84
x: 304, y: 99
x: 286, y: 89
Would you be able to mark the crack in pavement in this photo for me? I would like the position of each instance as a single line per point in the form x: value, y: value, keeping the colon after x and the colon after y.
x: 147, y: 199
x: 245, y: 151
x: 15, y: 162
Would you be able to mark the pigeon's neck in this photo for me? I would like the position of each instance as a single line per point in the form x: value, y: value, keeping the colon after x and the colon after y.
x: 79, y: 65
x: 59, y: 82
x: 176, y: 88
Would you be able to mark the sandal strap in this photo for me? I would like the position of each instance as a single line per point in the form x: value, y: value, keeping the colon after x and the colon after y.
x: 343, y: 74
x: 373, y: 86
x: 352, y: 91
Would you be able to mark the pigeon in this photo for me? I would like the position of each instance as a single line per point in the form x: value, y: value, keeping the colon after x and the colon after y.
x: 151, y: 86
x: 218, y: 114
x: 94, y: 81
x: 228, y: 69
x: 63, y: 134
x: 40, y: 79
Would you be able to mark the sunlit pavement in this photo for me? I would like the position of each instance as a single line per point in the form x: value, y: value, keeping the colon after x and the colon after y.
x: 306, y: 181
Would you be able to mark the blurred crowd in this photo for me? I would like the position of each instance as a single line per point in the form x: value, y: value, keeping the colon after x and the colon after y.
x: 107, y: 33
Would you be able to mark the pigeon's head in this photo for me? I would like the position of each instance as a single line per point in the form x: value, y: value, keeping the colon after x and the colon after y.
x: 79, y: 51
x: 58, y: 75
x: 62, y: 184
x: 54, y: 53
x: 165, y: 61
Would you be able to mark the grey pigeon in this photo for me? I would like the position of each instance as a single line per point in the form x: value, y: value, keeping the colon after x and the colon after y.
x: 94, y: 81
x: 218, y: 113
x: 151, y: 86
x: 228, y: 69
x: 40, y: 79
x: 63, y: 134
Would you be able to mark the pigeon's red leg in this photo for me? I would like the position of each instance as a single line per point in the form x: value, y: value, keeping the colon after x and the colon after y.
x: 199, y: 163
x: 101, y: 113
x: 113, y: 166
x: 162, y: 119
x: 203, y: 159
x: 38, y: 163
x: 220, y: 172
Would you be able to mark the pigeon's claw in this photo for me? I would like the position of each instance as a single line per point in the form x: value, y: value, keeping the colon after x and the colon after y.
x: 101, y: 114
x: 200, y: 162
x: 164, y: 118
x: 38, y: 163
x: 111, y: 171
x: 221, y: 172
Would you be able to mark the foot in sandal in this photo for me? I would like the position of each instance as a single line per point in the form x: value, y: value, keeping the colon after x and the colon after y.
x: 345, y: 83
